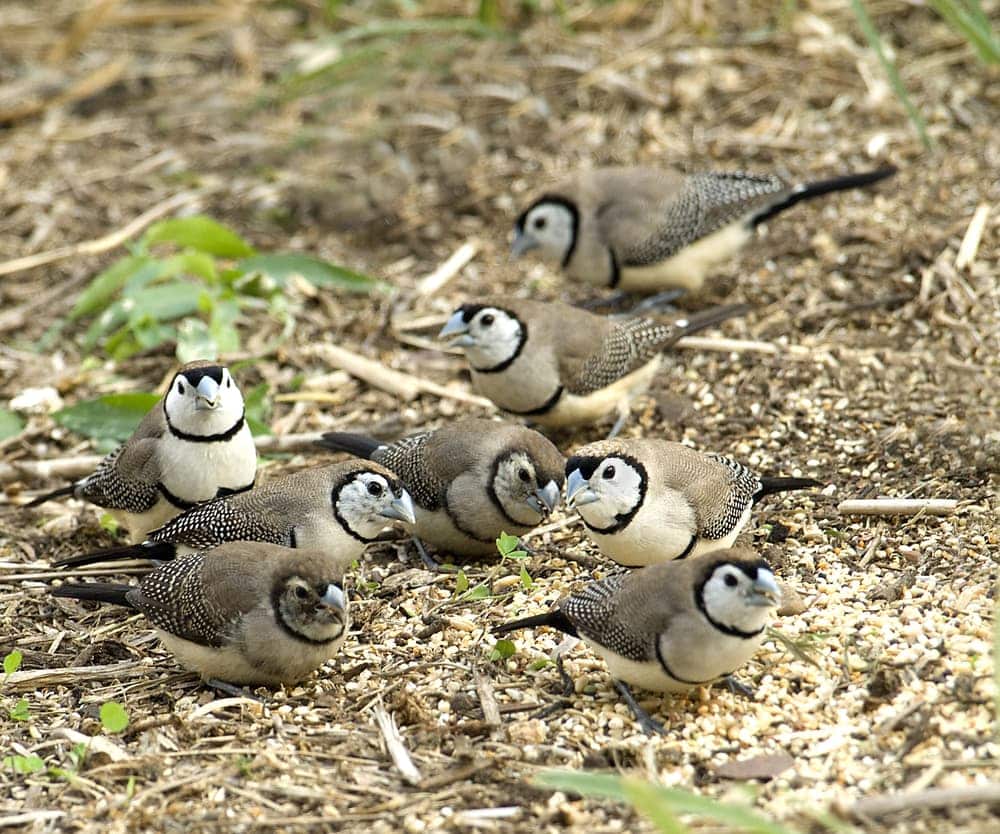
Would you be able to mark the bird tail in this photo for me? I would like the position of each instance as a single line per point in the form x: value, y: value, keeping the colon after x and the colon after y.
x: 704, y: 319
x: 808, y: 190
x: 359, y: 445
x: 553, y: 619
x: 48, y: 496
x: 769, y: 486
x: 158, y: 551
x: 96, y: 592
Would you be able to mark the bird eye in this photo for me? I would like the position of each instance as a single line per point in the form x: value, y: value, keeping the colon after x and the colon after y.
x: 609, y: 473
x: 301, y: 592
x: 375, y: 489
x: 540, y: 222
x: 229, y: 382
x: 731, y: 580
x: 486, y: 320
x: 524, y: 475
x: 180, y: 387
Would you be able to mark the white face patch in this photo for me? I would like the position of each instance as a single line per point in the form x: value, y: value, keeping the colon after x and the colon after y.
x: 729, y: 597
x: 305, y: 610
x: 549, y: 226
x: 496, y: 337
x: 619, y: 488
x: 198, y: 403
x: 514, y: 484
x: 361, y: 501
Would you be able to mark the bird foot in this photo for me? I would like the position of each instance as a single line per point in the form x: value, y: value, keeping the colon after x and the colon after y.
x: 738, y: 688
x: 429, y: 561
x: 624, y: 412
x: 568, y: 688
x: 232, y: 690
x: 661, y: 303
x: 650, y: 726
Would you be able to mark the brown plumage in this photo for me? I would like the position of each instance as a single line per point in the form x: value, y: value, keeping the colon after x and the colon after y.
x: 470, y: 480
x: 244, y: 613
x: 646, y: 229
x: 336, y: 508
x: 558, y: 365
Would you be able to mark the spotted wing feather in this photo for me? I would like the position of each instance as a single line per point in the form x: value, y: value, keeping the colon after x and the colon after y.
x: 594, y: 612
x: 625, y: 349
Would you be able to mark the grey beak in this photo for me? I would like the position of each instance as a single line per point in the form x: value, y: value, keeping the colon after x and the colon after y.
x: 455, y: 325
x: 401, y: 509
x: 206, y: 394
x: 334, y: 598
x: 578, y: 491
x: 548, y: 495
x: 522, y: 243
x: 765, y: 591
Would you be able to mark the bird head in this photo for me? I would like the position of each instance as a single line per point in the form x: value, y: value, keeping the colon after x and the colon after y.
x: 605, y: 491
x: 739, y: 594
x: 549, y: 227
x: 525, y: 487
x: 489, y: 335
x: 313, y: 609
x: 367, y: 499
x: 203, y: 400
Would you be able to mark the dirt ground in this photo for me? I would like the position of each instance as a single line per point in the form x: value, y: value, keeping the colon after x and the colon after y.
x: 884, y: 383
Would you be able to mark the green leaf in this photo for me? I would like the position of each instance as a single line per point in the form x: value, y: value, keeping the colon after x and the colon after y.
x: 10, y: 424
x: 197, y: 264
x: 114, y: 719
x: 281, y: 266
x: 540, y: 663
x: 503, y: 650
x: 109, y: 522
x: 461, y: 583
x: 103, y: 288
x: 526, y: 581
x: 676, y: 801
x: 21, y: 710
x: 201, y: 233
x: 113, y: 416
x: 258, y: 408
x: 646, y: 801
x: 164, y: 302
x: 12, y: 662
x: 507, y: 543
x: 24, y: 764
x: 479, y: 592
x: 194, y: 341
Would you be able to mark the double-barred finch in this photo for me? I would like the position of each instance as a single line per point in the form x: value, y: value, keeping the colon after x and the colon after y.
x: 243, y: 613
x: 645, y: 501
x: 336, y: 508
x: 194, y: 445
x: 558, y: 365
x: 671, y: 627
x: 470, y: 480
x: 647, y: 229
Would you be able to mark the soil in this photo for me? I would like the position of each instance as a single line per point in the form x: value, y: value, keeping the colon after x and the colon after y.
x: 884, y: 383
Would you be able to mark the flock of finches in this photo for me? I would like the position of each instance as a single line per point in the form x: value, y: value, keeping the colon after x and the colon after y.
x: 247, y: 587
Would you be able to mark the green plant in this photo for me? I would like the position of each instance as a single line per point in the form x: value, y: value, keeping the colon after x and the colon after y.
x: 12, y: 662
x: 510, y: 549
x: 502, y: 650
x: 968, y: 19
x: 10, y: 424
x: 189, y: 280
x: 114, y: 718
x: 20, y: 711
x: 24, y: 764
x: 662, y: 805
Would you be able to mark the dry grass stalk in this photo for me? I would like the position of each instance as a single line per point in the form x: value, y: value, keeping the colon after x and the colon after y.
x: 100, y: 79
x: 898, y: 506
x: 449, y: 269
x: 394, y: 745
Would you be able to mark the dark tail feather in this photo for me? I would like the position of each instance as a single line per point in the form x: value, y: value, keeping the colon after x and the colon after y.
x: 358, y: 445
x: 769, y: 486
x: 158, y: 551
x: 704, y: 319
x: 48, y: 496
x: 554, y: 619
x: 96, y: 592
x: 816, y: 189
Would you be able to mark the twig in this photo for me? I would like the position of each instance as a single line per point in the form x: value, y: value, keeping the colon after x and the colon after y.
x: 449, y: 269
x: 401, y: 385
x: 395, y: 746
x: 970, y: 243
x: 83, y: 24
x: 97, y: 744
x: 102, y: 244
x: 884, y: 805
x: 487, y: 700
x: 29, y: 817
x: 100, y: 79
x: 34, y: 678
x: 898, y: 506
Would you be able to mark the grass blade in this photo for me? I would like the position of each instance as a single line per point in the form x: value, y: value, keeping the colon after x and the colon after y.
x: 970, y: 21
x: 875, y: 42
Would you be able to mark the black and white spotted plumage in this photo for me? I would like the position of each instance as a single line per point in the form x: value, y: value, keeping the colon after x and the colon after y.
x: 408, y: 458
x: 299, y: 510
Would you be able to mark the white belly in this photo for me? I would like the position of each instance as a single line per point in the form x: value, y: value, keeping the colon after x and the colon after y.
x: 689, y: 267
x: 642, y: 675
x: 573, y: 410
x: 437, y: 529
x: 194, y: 472
x: 139, y: 525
